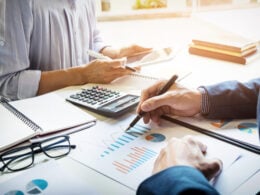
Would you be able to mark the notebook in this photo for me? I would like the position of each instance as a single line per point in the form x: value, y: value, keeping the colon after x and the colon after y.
x: 38, y: 116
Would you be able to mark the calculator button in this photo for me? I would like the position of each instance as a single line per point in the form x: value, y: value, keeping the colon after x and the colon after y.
x: 74, y: 96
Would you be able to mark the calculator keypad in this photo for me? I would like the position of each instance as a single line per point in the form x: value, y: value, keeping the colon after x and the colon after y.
x: 95, y: 96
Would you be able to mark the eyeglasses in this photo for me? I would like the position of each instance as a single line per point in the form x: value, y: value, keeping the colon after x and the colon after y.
x: 22, y: 157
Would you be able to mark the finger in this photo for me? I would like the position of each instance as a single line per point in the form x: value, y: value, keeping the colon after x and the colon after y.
x: 213, y: 168
x: 137, y: 49
x: 146, y: 118
x: 156, y: 102
x: 117, y: 63
x: 193, y: 141
x: 155, y: 116
x: 133, y: 49
x: 147, y: 93
x: 158, y: 162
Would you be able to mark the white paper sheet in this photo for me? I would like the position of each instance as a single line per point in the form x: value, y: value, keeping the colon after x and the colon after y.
x: 116, y: 154
x: 48, y: 178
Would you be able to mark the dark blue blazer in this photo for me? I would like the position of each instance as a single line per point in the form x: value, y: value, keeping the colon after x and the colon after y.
x: 234, y: 100
x: 178, y: 180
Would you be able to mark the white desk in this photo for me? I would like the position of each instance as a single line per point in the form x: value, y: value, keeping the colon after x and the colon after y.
x: 160, y: 33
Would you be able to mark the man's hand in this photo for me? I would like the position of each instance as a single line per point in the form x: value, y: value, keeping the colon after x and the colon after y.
x: 178, y: 100
x: 187, y: 152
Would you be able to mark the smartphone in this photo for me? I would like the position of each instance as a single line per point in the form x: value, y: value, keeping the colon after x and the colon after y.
x: 150, y: 57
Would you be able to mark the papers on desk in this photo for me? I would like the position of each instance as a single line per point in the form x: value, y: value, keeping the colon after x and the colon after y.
x: 39, y: 181
x: 244, y: 131
x: 41, y: 115
x: 110, y: 151
x: 239, y: 173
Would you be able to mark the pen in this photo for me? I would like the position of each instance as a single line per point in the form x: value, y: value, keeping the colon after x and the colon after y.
x: 101, y: 56
x: 163, y: 90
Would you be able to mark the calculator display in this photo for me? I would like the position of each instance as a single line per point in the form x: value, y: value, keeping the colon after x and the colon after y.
x: 120, y: 104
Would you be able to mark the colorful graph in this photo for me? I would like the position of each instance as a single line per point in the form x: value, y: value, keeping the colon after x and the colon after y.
x: 247, y: 127
x: 36, y: 186
x: 125, y: 138
x: 155, y: 137
x: 137, y: 157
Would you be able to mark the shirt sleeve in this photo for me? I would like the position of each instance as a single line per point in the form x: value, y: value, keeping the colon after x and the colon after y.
x: 176, y: 180
x: 16, y: 80
x: 232, y: 99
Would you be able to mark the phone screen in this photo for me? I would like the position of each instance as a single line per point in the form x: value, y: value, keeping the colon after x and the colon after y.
x: 154, y: 56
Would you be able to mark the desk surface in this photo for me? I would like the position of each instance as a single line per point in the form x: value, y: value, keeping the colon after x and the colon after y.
x: 161, y: 33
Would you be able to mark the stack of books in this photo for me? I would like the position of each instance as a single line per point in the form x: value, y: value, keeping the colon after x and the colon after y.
x: 228, y: 48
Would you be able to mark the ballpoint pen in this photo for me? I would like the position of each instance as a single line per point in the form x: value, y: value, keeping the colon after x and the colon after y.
x: 163, y: 90
x: 101, y: 56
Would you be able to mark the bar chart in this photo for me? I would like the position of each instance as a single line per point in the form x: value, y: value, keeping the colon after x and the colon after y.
x: 137, y: 157
x: 125, y: 138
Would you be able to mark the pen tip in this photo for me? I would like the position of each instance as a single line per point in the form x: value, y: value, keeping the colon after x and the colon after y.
x: 127, y: 129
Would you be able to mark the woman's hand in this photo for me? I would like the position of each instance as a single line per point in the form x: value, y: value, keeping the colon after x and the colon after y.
x: 103, y: 71
x: 97, y: 71
x: 124, y: 51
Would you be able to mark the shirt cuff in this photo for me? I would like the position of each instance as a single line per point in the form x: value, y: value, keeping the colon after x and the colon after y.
x: 28, y: 83
x: 100, y: 46
x: 204, y: 101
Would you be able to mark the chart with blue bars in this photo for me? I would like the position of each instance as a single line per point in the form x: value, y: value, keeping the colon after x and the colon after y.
x: 126, y: 138
x: 136, y: 157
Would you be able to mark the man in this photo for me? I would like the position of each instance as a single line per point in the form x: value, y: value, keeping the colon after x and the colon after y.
x: 181, y: 167
x: 44, y: 43
x: 226, y: 100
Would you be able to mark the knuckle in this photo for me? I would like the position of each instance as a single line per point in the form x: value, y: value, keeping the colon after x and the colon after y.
x: 189, y: 139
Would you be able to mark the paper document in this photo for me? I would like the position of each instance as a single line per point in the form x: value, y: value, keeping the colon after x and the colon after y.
x: 39, y: 181
x: 244, y: 130
x: 112, y: 152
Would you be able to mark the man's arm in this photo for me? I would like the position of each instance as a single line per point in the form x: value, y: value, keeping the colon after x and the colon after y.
x: 176, y: 180
x: 232, y: 99
x: 182, y: 168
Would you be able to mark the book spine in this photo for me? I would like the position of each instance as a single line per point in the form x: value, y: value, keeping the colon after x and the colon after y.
x: 200, y: 52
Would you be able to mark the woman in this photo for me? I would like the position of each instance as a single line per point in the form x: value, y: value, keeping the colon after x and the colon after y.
x: 43, y: 47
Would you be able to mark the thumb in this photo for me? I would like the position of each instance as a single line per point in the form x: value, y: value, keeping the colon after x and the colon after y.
x: 155, y: 102
x: 118, y: 62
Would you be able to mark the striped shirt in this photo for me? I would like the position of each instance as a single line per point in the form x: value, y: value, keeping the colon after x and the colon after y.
x: 43, y: 35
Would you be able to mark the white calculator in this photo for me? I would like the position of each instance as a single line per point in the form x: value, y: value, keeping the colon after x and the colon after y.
x: 104, y: 101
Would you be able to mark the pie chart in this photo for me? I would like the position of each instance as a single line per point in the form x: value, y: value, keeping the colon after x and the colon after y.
x: 36, y: 186
x: 247, y: 127
x: 155, y: 137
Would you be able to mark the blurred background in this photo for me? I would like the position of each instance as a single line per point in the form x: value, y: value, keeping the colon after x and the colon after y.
x: 135, y: 9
